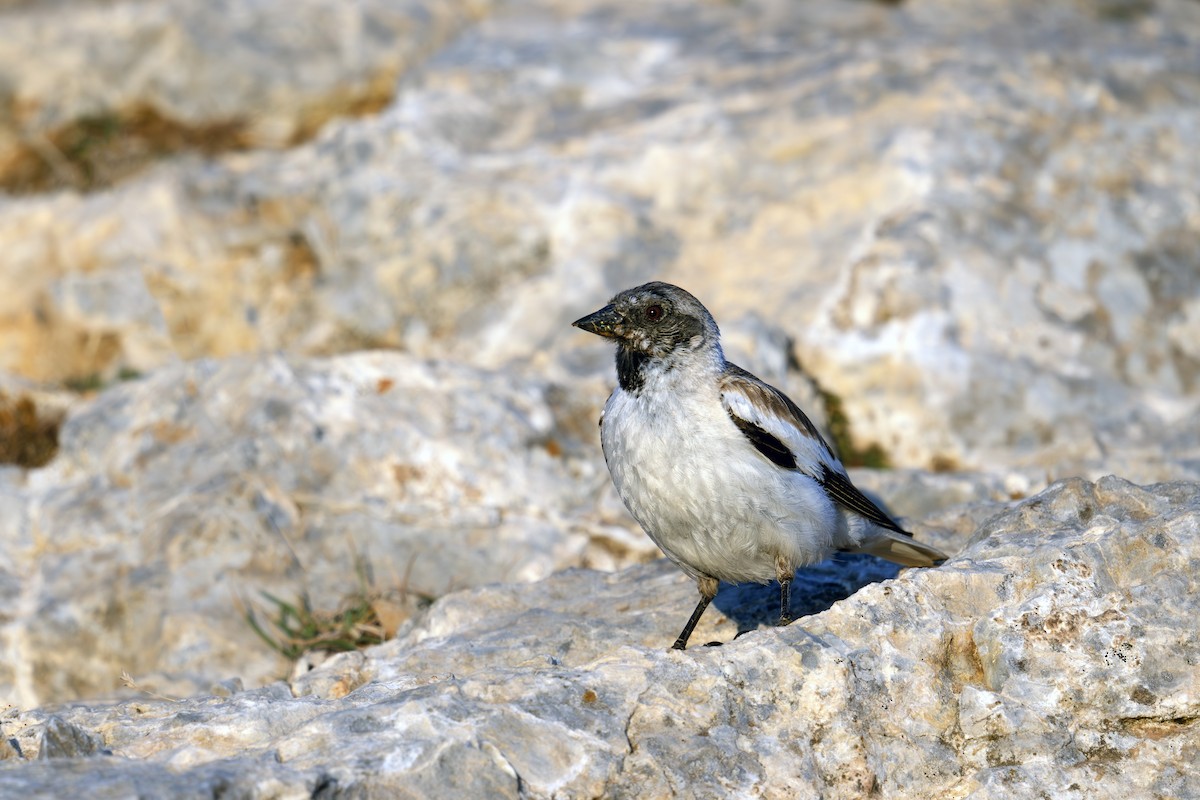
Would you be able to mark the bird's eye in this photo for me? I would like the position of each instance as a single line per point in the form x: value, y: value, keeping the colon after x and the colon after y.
x: 654, y: 313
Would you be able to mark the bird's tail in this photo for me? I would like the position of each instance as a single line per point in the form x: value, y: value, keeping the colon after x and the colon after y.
x: 899, y: 548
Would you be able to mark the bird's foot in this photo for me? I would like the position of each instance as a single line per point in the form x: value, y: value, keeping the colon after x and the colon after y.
x: 682, y: 646
x: 784, y: 620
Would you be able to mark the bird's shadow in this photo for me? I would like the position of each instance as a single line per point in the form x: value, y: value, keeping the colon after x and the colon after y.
x: 814, y: 589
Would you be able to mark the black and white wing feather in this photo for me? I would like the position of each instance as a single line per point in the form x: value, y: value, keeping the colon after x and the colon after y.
x: 780, y: 431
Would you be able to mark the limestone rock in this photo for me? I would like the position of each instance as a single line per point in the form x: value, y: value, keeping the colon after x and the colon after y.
x: 977, y: 228
x: 179, y: 495
x: 64, y: 740
x: 1047, y: 655
x: 74, y: 76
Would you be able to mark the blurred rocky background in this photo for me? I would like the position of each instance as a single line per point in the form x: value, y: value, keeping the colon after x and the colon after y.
x: 285, y: 304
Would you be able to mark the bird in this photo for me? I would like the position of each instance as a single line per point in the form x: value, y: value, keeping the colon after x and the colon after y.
x: 723, y: 471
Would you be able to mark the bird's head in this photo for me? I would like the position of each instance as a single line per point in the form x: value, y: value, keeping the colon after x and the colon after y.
x: 655, y: 319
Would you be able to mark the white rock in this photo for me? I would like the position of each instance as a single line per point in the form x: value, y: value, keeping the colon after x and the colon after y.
x: 986, y: 265
x: 176, y: 495
x: 1047, y: 653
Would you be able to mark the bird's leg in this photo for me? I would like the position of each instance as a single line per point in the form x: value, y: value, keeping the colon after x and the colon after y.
x: 708, y: 590
x: 686, y: 633
x: 785, y: 572
x: 785, y: 614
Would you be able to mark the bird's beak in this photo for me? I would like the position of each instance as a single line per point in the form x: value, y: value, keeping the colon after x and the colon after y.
x: 602, y: 323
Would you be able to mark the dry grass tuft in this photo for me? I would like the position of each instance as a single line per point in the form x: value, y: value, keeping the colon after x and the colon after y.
x: 367, y: 617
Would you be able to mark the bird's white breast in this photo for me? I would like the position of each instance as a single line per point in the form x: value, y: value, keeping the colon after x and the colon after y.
x: 701, y: 491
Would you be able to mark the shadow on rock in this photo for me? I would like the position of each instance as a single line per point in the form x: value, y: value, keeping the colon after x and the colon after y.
x: 814, y: 590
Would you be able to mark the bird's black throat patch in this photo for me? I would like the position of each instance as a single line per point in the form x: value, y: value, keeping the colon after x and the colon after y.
x: 765, y: 443
x: 630, y: 364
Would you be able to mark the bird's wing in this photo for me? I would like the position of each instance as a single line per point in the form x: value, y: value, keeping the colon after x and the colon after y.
x: 838, y: 486
x: 773, y: 423
x: 780, y: 431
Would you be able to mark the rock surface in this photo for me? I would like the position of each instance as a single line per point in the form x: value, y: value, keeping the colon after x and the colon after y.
x: 1047, y: 658
x: 962, y: 236
x: 78, y: 77
x: 176, y: 495
x: 976, y: 225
